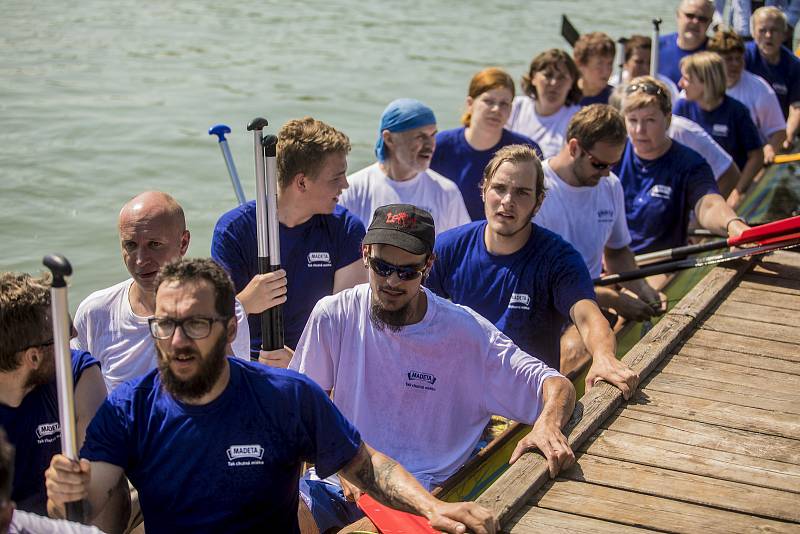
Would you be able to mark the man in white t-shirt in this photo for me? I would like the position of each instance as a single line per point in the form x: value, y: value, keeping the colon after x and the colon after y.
x: 418, y: 375
x: 112, y: 323
x: 406, y: 141
x: 585, y: 205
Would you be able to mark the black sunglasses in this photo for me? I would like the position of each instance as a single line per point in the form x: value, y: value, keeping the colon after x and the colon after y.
x: 195, y: 327
x: 646, y: 87
x: 385, y: 270
x: 598, y: 164
x: 702, y: 19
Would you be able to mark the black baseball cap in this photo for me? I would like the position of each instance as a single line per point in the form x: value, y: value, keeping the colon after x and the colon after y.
x: 403, y: 226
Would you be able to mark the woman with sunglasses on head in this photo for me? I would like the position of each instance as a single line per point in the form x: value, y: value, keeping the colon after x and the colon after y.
x: 550, y: 100
x: 727, y: 120
x: 664, y: 180
x: 462, y: 153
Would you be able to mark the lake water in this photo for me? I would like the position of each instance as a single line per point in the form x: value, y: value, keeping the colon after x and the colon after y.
x: 102, y: 100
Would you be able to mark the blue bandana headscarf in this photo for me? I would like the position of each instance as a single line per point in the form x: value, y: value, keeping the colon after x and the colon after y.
x: 401, y: 115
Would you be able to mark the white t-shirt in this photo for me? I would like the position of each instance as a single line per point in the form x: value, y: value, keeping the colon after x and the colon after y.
x: 549, y: 132
x: 120, y: 340
x: 422, y: 395
x: 589, y: 218
x: 370, y: 188
x: 28, y: 523
x: 689, y: 133
x: 759, y: 97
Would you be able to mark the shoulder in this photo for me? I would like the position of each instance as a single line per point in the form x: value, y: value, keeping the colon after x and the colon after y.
x: 344, y: 217
x: 343, y: 302
x: 81, y: 360
x: 459, y: 315
x: 735, y: 106
x: 446, y: 184
x: 447, y: 137
x: 668, y: 40
x: 133, y: 391
x: 237, y: 218
x: 454, y: 237
x: 362, y: 177
x: 685, y: 159
x: 100, y: 299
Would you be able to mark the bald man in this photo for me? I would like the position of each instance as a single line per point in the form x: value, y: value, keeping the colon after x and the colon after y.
x: 112, y: 323
x: 693, y: 18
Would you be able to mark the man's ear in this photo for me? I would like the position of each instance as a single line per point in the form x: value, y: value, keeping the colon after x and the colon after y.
x: 365, y: 254
x: 231, y: 329
x: 32, y: 357
x: 387, y: 138
x: 573, y: 147
x: 185, y: 238
x: 300, y: 182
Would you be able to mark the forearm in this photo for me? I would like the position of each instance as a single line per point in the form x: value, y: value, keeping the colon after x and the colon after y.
x: 776, y: 140
x: 595, y: 331
x: 727, y: 180
x: 558, y: 395
x: 755, y: 162
x: 792, y: 123
x: 714, y: 214
x: 388, y: 482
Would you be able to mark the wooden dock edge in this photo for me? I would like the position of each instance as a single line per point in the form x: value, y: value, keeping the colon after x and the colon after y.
x: 521, y: 481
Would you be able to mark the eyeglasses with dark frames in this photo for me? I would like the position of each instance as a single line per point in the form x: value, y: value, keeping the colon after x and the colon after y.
x: 194, y: 327
x: 385, y: 269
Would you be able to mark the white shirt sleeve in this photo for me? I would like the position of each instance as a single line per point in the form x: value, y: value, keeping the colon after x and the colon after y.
x: 620, y: 235
x: 770, y: 115
x: 317, y: 351
x: 514, y: 379
x: 241, y: 343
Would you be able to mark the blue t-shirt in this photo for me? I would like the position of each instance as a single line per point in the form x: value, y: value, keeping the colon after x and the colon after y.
x: 729, y: 124
x: 600, y: 98
x: 311, y: 253
x: 228, y: 466
x: 34, y: 430
x: 670, y: 55
x: 660, y: 194
x: 783, y: 77
x: 527, y: 295
x: 454, y: 158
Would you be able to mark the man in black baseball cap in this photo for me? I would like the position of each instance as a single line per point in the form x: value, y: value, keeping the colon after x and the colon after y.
x: 418, y: 375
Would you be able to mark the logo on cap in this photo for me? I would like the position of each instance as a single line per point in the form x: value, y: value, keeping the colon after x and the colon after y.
x: 402, y: 219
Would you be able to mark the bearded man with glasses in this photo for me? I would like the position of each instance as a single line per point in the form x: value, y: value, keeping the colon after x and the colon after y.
x: 28, y: 392
x: 693, y: 18
x: 418, y: 375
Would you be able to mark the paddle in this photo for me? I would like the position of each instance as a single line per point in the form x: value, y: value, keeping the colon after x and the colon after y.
x: 768, y: 245
x: 752, y: 235
x: 220, y: 130
x: 787, y: 158
x: 59, y: 313
x: 391, y: 521
x: 568, y: 31
x: 654, y: 48
x: 267, y: 229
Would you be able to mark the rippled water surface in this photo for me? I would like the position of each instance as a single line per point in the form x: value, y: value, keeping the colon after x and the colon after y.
x: 101, y: 100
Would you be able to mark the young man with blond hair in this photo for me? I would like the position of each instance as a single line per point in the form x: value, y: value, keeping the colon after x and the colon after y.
x: 320, y: 241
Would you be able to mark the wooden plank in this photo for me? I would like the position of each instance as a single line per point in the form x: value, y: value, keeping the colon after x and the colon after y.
x: 704, y: 435
x: 686, y: 487
x: 747, y: 361
x: 733, y: 393
x: 786, y: 266
x: 636, y: 509
x: 759, y: 312
x: 535, y: 520
x: 718, y: 413
x: 752, y: 329
x: 731, y: 373
x: 743, y: 344
x: 759, y: 296
x: 771, y: 283
x: 521, y: 481
x: 689, y: 459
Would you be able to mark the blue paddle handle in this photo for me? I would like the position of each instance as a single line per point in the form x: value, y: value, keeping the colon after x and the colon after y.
x: 220, y: 130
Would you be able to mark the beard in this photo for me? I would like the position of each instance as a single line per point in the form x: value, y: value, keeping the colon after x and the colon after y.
x: 209, y: 371
x: 392, y: 320
x: 45, y: 374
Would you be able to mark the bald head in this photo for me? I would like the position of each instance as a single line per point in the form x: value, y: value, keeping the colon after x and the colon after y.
x: 152, y: 232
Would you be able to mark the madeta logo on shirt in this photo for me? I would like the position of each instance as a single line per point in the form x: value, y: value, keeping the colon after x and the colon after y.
x: 720, y: 130
x: 245, y: 455
x: 780, y: 88
x: 48, y: 432
x: 519, y: 301
x: 605, y: 216
x: 420, y: 380
x: 319, y: 259
x: 661, y: 191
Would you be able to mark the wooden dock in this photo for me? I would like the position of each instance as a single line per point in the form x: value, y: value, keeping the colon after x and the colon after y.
x: 710, y: 442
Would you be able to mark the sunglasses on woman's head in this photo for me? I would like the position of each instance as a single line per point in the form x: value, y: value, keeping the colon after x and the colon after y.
x: 646, y: 87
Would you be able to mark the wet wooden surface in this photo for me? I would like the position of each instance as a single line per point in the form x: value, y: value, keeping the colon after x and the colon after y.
x: 710, y: 442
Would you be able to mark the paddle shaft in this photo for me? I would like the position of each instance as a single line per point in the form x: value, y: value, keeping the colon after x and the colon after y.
x: 787, y: 158
x: 59, y: 313
x: 654, y: 47
x: 267, y: 227
x: 690, y: 263
x: 220, y: 130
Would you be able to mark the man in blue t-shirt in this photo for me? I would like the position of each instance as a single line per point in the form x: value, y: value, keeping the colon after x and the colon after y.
x: 215, y: 444
x: 320, y: 241
x: 526, y: 280
x: 28, y: 395
x: 767, y: 57
x: 693, y: 18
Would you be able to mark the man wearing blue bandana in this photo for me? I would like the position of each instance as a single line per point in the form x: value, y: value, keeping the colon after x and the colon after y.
x: 406, y: 141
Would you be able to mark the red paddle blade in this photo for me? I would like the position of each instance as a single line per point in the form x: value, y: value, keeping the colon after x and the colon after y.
x: 779, y: 239
x: 784, y: 226
x: 391, y: 521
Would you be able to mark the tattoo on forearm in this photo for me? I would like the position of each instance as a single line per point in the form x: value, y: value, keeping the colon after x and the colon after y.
x: 384, y: 483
